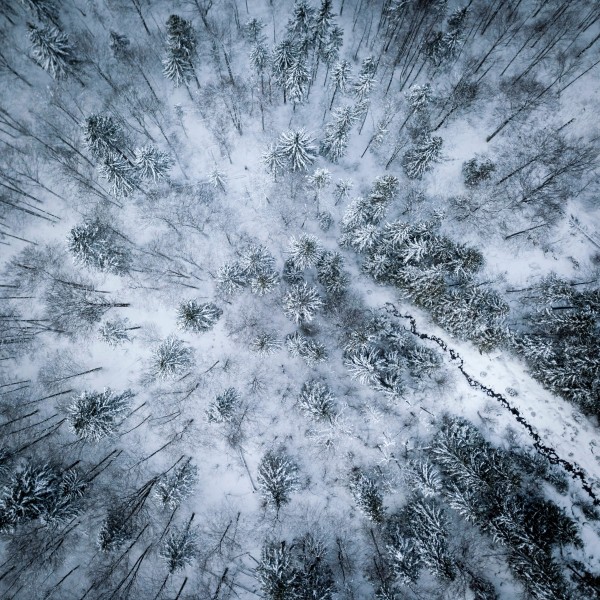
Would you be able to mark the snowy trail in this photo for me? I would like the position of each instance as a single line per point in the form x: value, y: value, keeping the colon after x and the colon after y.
x: 576, y: 472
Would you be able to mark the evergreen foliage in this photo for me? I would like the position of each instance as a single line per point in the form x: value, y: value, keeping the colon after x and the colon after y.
x: 277, y: 478
x: 304, y: 251
x: 39, y: 492
x: 94, y: 244
x: 181, y: 50
x: 317, y: 401
x: 95, y: 415
x: 179, y: 548
x: 311, y: 351
x: 331, y: 274
x: 171, y: 358
x: 175, y: 486
x: 301, y: 302
x: 52, y: 50
x: 335, y: 142
x: 420, y: 159
x: 115, y: 332
x: 197, y: 317
x: 103, y: 135
x: 296, y: 147
x: 475, y: 171
x: 152, y: 163
x: 224, y: 407
x: 265, y: 343
x: 367, y: 495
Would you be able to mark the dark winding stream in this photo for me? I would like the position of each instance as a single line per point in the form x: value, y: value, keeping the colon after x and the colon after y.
x: 575, y: 471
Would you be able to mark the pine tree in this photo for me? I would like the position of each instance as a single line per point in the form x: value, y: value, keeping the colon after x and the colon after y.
x: 330, y: 50
x: 363, y: 86
x: 265, y: 344
x: 340, y: 78
x: 296, y: 82
x: 302, y: 22
x: 223, y: 408
x: 342, y: 190
x: 152, y: 163
x: 181, y: 50
x: 285, y: 54
x: 311, y: 351
x: 116, y: 529
x: 26, y: 494
x: 95, y: 415
x: 367, y: 495
x: 331, y: 274
x: 174, y: 487
x: 477, y: 171
x: 323, y: 24
x: 301, y: 302
x: 171, y: 358
x: 119, y: 172
x: 304, y: 251
x: 454, y: 36
x: 315, y: 579
x: 316, y: 401
x: 259, y: 59
x: 275, y: 572
x: 52, y: 50
x: 335, y: 142
x: 231, y: 278
x: 277, y: 478
x: 258, y: 267
x: 115, y: 332
x: 218, y: 179
x: 253, y: 30
x: 405, y: 559
x: 298, y: 148
x: 197, y: 317
x: 420, y: 158
x: 274, y: 160
x: 93, y: 244
x: 179, y: 548
x: 103, y: 135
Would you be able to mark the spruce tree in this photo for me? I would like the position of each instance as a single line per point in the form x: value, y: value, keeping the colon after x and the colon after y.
x: 177, y: 485
x: 285, y: 55
x: 316, y: 401
x: 171, y: 358
x: 301, y: 302
x: 52, y: 50
x: 224, y: 407
x: 335, y: 142
x: 304, y: 251
x: 178, y: 65
x: 118, y: 170
x: 95, y: 245
x: 277, y: 478
x: 179, y: 548
x: 421, y: 157
x: 95, y: 415
x: 103, y: 135
x: 197, y: 317
x: 152, y: 163
x: 297, y: 147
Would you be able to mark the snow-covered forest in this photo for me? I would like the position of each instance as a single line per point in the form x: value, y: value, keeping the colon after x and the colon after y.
x: 300, y: 300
